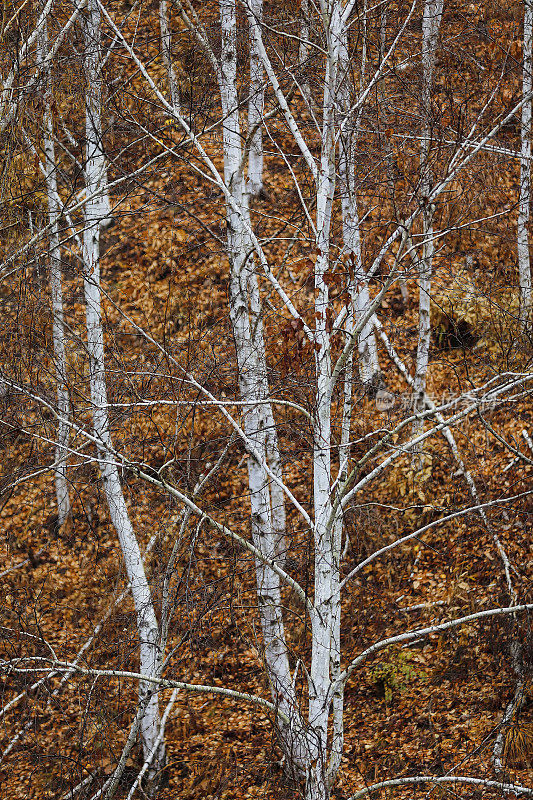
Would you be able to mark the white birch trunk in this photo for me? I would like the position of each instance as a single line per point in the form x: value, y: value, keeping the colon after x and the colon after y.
x: 277, y: 496
x: 382, y: 89
x: 303, y: 51
x: 93, y: 109
x: 258, y: 421
x: 352, y: 245
x: 366, y: 342
x: 255, y: 108
x: 166, y: 48
x: 524, y: 265
x: 58, y: 327
x: 146, y: 619
x: 382, y: 31
x: 337, y: 739
x: 430, y: 34
x: 326, y: 576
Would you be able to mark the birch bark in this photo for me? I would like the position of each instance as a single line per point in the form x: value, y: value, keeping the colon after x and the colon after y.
x: 58, y: 326
x: 255, y: 108
x: 166, y: 48
x: 337, y: 739
x: 258, y: 422
x: 524, y: 264
x: 303, y: 51
x: 93, y: 108
x: 326, y: 575
x: 95, y: 185
x: 430, y: 33
x: 360, y: 297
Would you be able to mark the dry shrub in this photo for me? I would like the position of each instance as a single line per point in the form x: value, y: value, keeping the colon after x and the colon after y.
x: 464, y: 314
x: 518, y: 745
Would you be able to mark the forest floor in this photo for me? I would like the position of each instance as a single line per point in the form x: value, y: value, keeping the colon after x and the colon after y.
x: 429, y: 709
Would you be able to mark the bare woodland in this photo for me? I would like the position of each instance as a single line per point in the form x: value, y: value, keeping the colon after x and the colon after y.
x: 266, y: 386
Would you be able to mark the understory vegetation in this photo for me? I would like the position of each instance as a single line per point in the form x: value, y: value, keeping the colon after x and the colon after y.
x: 266, y: 420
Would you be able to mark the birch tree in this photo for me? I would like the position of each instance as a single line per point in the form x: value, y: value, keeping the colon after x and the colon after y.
x: 96, y: 210
x: 166, y: 49
x: 321, y: 315
x: 255, y: 110
x: 95, y: 155
x: 58, y: 327
x: 258, y: 423
x: 368, y: 354
x: 313, y: 758
x: 304, y: 49
x: 430, y: 33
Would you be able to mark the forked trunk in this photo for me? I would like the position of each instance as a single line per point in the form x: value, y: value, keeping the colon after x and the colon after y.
x: 267, y: 505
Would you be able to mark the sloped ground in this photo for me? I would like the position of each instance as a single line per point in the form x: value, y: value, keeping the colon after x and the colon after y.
x: 424, y: 710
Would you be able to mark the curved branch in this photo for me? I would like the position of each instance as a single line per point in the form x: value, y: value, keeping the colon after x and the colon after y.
x: 506, y: 787
x: 421, y: 632
x: 161, y: 683
x: 246, y: 545
x: 416, y: 534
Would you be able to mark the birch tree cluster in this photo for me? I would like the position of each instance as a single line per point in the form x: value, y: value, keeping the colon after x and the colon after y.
x: 266, y: 399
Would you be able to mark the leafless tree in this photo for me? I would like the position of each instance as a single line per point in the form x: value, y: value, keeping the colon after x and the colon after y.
x: 360, y: 216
